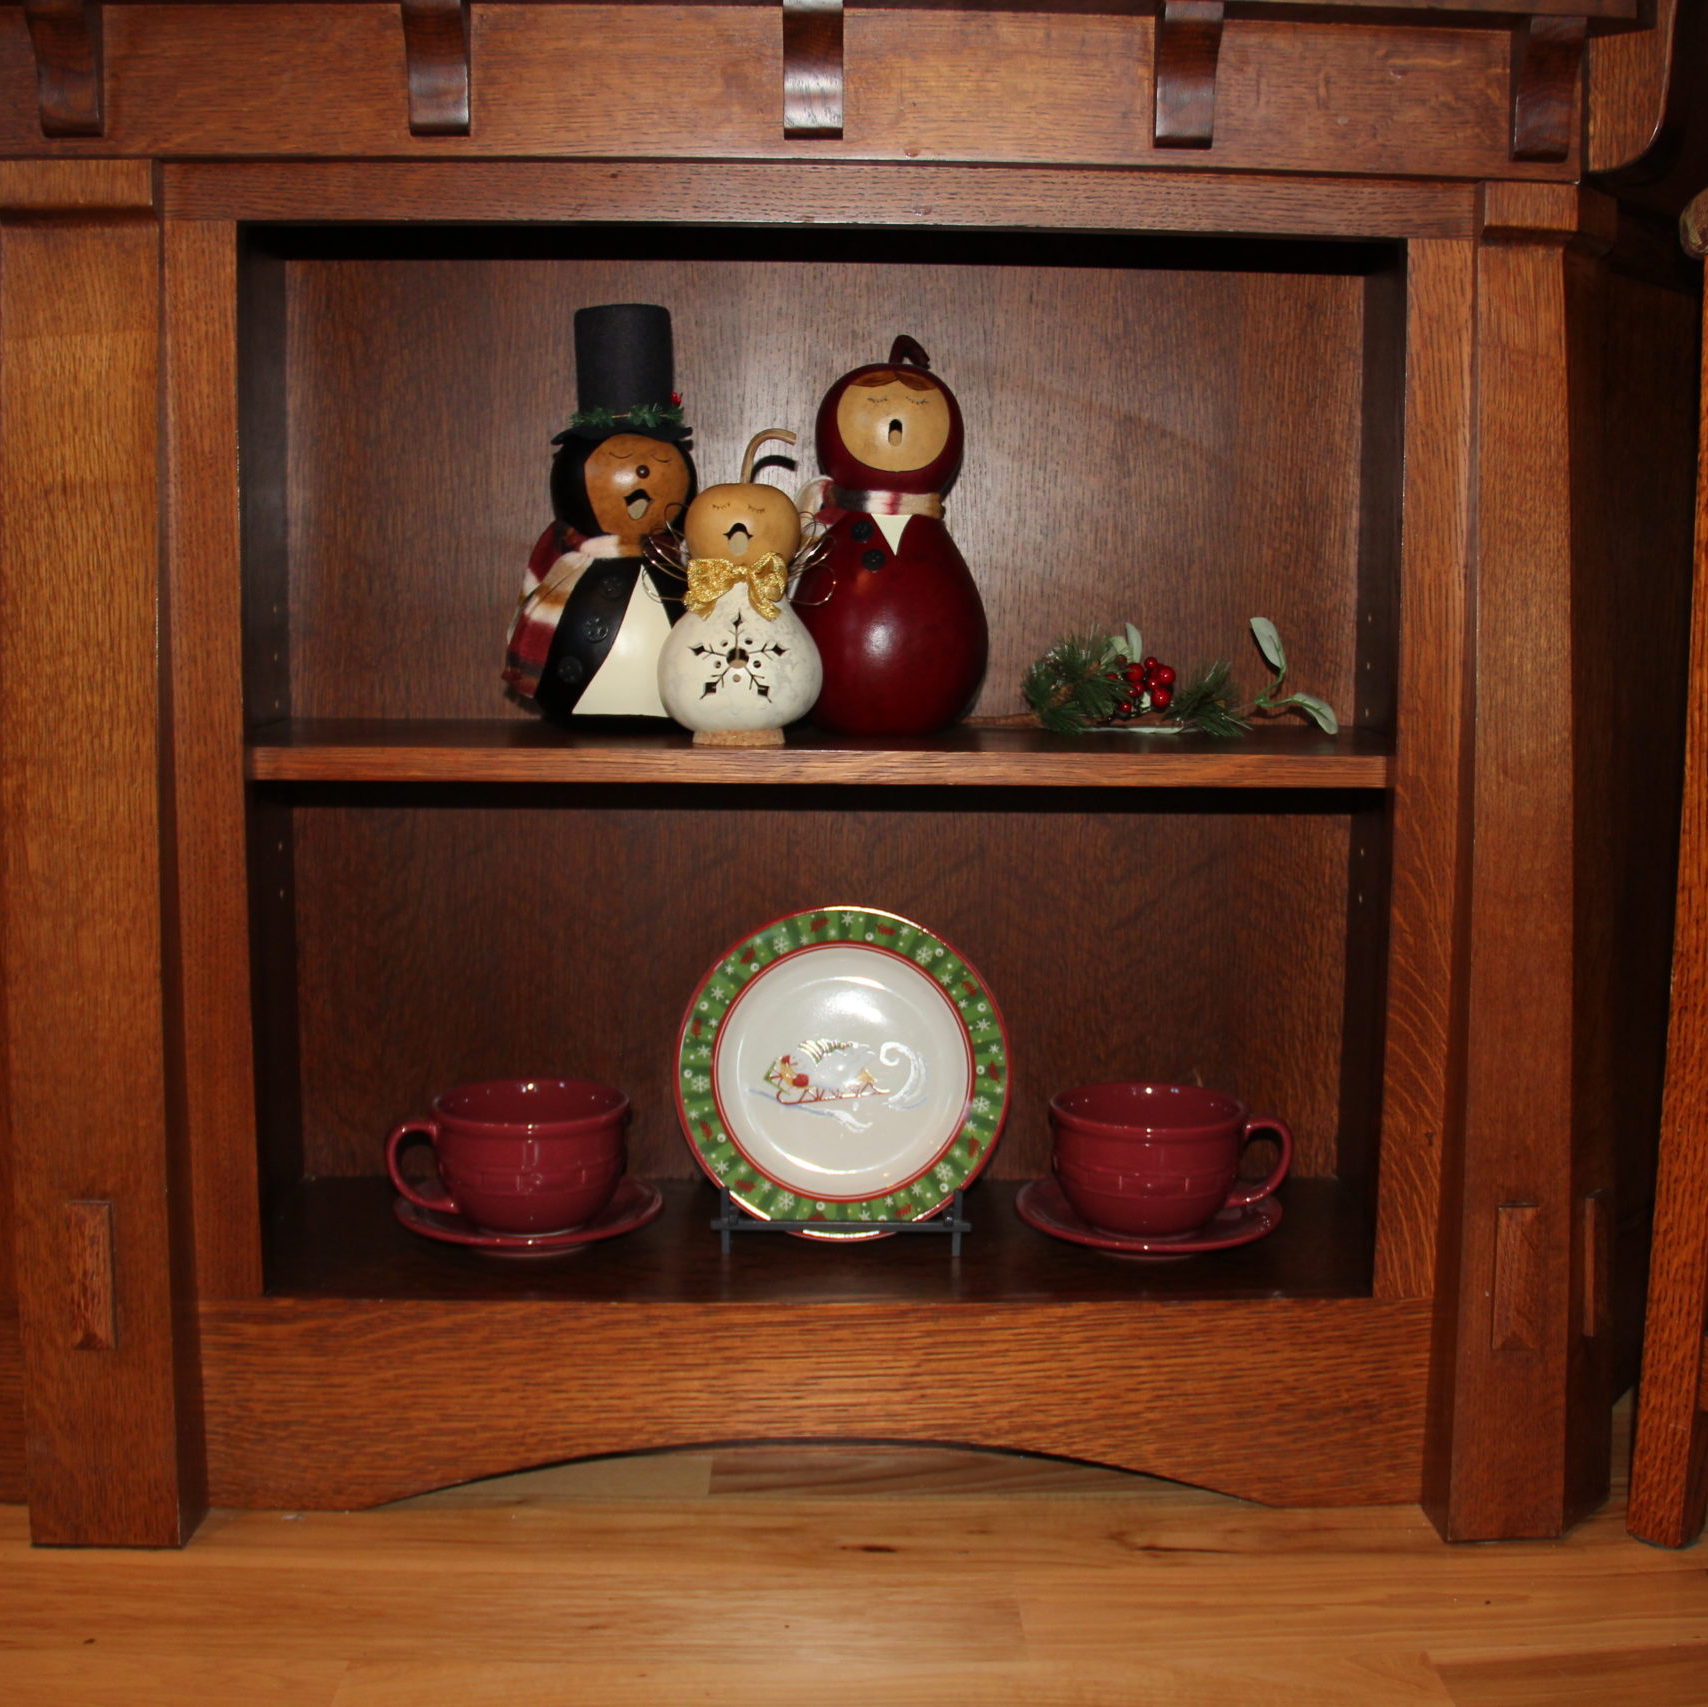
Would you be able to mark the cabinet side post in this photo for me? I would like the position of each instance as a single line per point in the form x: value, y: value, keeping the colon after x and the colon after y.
x: 1669, y: 1461
x: 203, y: 673
x: 1517, y: 1385
x: 106, y: 1293
x: 1430, y: 811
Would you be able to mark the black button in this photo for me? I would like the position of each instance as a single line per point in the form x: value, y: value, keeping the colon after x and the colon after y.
x: 595, y: 630
x: 861, y: 530
x: 873, y: 559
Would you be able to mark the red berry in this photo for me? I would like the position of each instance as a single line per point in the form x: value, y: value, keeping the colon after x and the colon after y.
x: 1125, y: 708
x: 1164, y: 676
x: 1150, y: 663
x: 1161, y: 698
x: 1135, y: 674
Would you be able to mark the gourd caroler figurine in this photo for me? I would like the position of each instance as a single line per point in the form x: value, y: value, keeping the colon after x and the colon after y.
x: 739, y: 666
x: 897, y: 617
x: 592, y: 616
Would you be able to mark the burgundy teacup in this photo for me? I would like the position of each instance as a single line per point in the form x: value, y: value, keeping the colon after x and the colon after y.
x: 1158, y: 1159
x: 519, y: 1155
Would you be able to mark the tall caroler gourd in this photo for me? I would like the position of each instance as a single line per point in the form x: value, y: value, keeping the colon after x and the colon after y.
x: 896, y: 615
x: 592, y: 616
x: 739, y: 667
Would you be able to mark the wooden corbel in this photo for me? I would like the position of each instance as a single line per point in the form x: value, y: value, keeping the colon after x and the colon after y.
x: 1547, y: 62
x: 1188, y: 47
x: 436, y: 56
x: 812, y: 69
x: 66, y: 38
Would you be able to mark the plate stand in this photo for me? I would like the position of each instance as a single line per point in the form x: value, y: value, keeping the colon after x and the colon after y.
x: 732, y: 1219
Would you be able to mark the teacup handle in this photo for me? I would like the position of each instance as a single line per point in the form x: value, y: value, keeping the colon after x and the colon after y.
x: 1282, y: 1133
x: 412, y: 1129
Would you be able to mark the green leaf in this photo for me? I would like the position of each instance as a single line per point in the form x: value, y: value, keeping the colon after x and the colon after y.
x: 1135, y: 644
x: 1318, y: 710
x: 1269, y: 643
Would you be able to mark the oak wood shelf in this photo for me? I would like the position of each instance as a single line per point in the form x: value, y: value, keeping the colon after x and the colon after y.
x: 490, y: 751
x: 340, y: 1239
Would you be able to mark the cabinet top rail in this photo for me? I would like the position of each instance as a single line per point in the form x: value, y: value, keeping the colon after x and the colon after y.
x: 1614, y: 11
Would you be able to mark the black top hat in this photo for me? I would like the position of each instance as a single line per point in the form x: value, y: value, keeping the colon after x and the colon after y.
x: 624, y: 374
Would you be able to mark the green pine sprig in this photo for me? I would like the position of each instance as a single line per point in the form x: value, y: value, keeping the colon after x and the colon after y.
x: 649, y: 415
x: 1069, y: 689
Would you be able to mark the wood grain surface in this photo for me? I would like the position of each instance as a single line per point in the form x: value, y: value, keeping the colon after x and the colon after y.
x: 204, y: 683
x: 11, y: 1404
x: 1520, y: 922
x: 65, y: 36
x: 85, y: 1020
x: 297, y: 1388
x: 1294, y: 92
x: 751, y: 1577
x: 1279, y: 754
x: 800, y: 193
x: 436, y: 57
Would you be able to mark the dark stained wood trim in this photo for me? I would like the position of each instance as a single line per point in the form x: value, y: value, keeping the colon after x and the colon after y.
x: 66, y: 37
x: 1188, y: 48
x: 1547, y: 72
x: 812, y: 68
x: 1421, y: 1131
x: 774, y: 193
x: 204, y: 754
x: 437, y: 57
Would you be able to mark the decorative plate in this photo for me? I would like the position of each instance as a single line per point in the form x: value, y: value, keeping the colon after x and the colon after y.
x: 842, y: 1065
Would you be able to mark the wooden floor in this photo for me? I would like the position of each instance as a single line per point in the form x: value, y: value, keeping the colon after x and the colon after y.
x: 812, y: 1578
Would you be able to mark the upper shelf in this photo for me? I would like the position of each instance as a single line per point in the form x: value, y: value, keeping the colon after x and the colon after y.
x: 503, y: 750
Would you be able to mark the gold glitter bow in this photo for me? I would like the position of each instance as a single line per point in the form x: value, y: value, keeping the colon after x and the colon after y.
x: 709, y: 578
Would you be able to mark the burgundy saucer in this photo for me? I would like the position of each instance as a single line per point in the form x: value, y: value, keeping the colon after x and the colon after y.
x: 1040, y: 1204
x: 632, y: 1205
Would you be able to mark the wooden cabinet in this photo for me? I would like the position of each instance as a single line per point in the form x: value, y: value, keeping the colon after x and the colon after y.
x: 278, y: 378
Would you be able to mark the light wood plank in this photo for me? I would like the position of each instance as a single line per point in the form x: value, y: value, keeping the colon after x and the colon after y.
x: 849, y: 1578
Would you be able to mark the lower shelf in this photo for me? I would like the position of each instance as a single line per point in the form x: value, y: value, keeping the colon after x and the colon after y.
x: 339, y: 1239
x: 382, y: 1366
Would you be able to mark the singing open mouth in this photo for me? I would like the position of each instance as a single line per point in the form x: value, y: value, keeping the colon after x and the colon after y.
x: 638, y: 503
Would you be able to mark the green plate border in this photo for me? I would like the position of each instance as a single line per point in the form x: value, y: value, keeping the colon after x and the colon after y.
x: 697, y: 1106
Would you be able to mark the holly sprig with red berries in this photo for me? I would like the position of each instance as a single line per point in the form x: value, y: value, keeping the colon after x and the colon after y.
x: 1108, y: 681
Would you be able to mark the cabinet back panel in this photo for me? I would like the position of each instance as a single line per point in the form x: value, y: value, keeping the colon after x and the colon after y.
x: 1179, y: 446
x: 559, y: 931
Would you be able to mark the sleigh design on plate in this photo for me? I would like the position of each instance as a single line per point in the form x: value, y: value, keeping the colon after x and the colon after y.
x: 835, y: 1077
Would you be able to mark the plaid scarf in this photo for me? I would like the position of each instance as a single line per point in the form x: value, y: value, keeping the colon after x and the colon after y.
x: 552, y: 573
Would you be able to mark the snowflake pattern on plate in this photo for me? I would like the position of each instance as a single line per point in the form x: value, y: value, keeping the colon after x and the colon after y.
x: 987, y: 1094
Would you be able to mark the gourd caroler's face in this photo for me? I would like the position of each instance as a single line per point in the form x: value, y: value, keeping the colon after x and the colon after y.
x: 635, y: 485
x: 890, y: 426
x: 742, y: 523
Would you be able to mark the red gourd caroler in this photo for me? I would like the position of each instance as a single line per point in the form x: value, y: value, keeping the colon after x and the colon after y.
x: 891, y: 605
